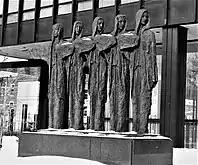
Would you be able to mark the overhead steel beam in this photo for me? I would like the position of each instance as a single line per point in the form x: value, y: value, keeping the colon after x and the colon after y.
x: 55, y: 11
x: 141, y: 4
x: 4, y: 20
x: 196, y: 10
x: 36, y: 17
x: 117, y: 3
x: 20, y: 17
x: 74, y: 10
x: 166, y: 11
x: 95, y: 4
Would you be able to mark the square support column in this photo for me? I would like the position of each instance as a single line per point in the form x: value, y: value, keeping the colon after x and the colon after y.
x: 173, y: 84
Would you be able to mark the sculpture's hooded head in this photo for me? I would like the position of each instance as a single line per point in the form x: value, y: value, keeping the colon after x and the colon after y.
x: 142, y: 21
x: 57, y: 31
x: 77, y: 30
x: 120, y: 25
x: 97, y: 26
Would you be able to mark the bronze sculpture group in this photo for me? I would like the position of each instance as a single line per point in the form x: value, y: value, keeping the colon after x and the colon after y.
x: 124, y: 60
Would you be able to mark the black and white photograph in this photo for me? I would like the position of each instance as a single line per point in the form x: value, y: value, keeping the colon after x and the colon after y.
x: 99, y: 82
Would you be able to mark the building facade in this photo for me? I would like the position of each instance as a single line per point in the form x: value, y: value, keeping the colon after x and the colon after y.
x: 175, y: 23
x: 19, y: 98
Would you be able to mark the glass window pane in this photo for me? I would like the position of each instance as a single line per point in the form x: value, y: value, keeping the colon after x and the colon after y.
x: 46, y: 2
x: 12, y: 18
x: 28, y: 4
x: 191, y: 86
x: 28, y: 15
x: 191, y: 101
x: 156, y: 93
x: 0, y: 20
x: 105, y: 3
x: 158, y: 34
x: 87, y: 5
x: 1, y: 7
x: 61, y: 1
x: 154, y: 125
x: 192, y: 31
x: 13, y: 6
x: 65, y: 9
x: 46, y: 12
x: 1, y: 11
x: 128, y: 1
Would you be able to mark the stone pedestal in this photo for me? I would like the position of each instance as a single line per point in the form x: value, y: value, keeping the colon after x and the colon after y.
x: 106, y: 148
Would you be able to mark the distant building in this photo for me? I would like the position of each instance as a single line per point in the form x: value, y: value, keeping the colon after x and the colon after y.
x: 19, y: 95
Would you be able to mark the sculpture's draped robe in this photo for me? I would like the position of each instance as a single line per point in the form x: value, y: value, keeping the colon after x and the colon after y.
x: 98, y: 70
x: 75, y: 64
x: 145, y: 77
x: 119, y: 79
x: 57, y: 86
x: 1, y: 130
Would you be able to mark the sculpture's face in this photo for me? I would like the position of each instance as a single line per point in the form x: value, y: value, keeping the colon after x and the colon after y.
x: 100, y: 26
x: 56, y: 31
x: 78, y: 29
x: 145, y: 18
x: 121, y: 23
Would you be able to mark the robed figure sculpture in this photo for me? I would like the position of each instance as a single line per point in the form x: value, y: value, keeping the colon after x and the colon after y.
x: 98, y: 70
x: 145, y: 75
x: 57, y: 81
x: 75, y: 64
x: 119, y: 75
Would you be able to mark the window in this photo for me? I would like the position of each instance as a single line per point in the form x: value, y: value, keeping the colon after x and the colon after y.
x: 29, y: 4
x: 46, y: 3
x: 11, y: 104
x: 64, y: 9
x: 156, y: 93
x: 0, y: 20
x: 46, y: 12
x: 1, y: 7
x: 13, y: 6
x: 192, y: 31
x: 128, y: 1
x: 62, y: 1
x: 85, y: 5
x: 1, y: 97
x: 191, y: 99
x: 24, y: 117
x: 12, y: 90
x: 105, y: 3
x: 154, y: 124
x: 46, y: 8
x: 2, y: 92
x: 29, y: 15
x: 158, y: 34
x: 12, y: 18
x: 12, y: 87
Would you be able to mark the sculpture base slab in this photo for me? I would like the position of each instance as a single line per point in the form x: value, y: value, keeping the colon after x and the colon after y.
x: 145, y: 150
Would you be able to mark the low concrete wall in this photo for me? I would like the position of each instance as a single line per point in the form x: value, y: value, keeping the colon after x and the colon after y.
x: 107, y: 149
